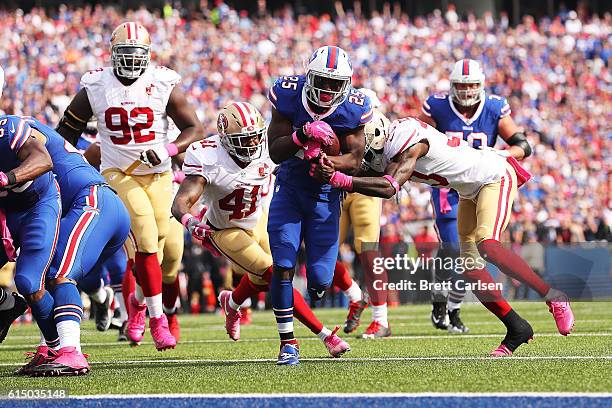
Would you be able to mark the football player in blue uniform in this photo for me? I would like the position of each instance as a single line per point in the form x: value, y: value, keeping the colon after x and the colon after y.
x: 307, y: 111
x: 467, y: 113
x: 30, y: 211
x: 94, y: 226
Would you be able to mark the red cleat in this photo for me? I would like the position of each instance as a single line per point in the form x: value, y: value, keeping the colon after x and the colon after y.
x: 37, y: 358
x: 335, y: 345
x: 232, y: 317
x: 174, y: 325
x: 562, y: 313
x: 246, y: 317
x: 68, y: 362
x: 354, y: 315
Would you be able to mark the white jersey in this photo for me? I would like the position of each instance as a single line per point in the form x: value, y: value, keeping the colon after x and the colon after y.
x: 446, y: 164
x: 235, y: 196
x: 131, y: 119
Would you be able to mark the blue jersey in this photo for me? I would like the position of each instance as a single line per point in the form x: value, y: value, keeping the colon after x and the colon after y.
x: 480, y: 130
x: 289, y: 99
x: 14, y: 132
x: 71, y: 170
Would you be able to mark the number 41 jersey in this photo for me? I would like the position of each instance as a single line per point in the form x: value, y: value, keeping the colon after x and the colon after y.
x: 234, y: 195
x: 131, y: 119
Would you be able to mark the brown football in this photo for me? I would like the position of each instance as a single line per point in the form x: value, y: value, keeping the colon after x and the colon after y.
x: 332, y: 149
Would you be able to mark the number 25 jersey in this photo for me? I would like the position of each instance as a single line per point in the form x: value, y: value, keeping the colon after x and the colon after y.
x: 235, y: 196
x: 131, y: 119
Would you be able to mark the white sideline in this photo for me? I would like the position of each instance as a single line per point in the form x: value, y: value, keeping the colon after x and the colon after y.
x: 268, y: 339
x: 362, y: 395
x: 339, y: 360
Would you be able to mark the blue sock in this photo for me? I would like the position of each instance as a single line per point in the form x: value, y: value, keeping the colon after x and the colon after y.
x: 43, y: 313
x: 68, y: 305
x: 281, y: 294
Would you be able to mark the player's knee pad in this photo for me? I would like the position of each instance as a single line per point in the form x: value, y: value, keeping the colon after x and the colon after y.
x: 26, y: 285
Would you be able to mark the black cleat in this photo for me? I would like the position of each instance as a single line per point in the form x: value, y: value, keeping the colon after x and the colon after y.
x: 354, y: 315
x: 455, y: 325
x: 122, y: 336
x: 103, y: 311
x: 519, y: 332
x: 7, y: 317
x: 439, y: 317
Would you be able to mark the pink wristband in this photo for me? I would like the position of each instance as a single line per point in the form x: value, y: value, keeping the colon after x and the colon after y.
x: 394, y: 183
x: 341, y: 180
x: 295, y: 139
x: 185, y: 219
x: 172, y: 149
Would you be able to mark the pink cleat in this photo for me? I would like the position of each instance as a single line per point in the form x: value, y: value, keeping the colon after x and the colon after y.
x: 69, y: 361
x: 232, y: 317
x: 136, y: 322
x: 161, y: 333
x: 335, y: 345
x: 562, y: 313
x: 37, y: 358
x: 501, y: 351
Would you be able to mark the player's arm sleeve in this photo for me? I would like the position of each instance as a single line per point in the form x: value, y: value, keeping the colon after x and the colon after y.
x: 75, y: 118
x: 19, y: 132
x: 426, y: 107
x: 504, y: 108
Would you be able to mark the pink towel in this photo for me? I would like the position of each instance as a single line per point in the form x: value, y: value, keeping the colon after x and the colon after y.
x: 7, y: 239
x: 445, y: 206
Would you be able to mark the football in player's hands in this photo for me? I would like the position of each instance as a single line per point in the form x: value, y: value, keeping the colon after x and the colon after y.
x: 332, y: 149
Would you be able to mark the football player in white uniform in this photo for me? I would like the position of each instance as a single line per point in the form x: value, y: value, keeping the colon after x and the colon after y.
x: 231, y: 172
x: 132, y: 101
x: 487, y: 182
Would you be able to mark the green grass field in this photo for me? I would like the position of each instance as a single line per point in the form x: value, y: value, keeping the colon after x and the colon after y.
x: 417, y: 359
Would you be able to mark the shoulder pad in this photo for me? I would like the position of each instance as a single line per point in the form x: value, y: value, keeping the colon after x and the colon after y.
x: 93, y: 76
x: 284, y: 92
x: 205, y: 151
x: 165, y: 74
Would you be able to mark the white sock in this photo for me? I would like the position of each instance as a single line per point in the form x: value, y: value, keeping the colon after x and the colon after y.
x: 453, y: 305
x: 233, y: 304
x: 121, y: 304
x: 353, y: 293
x: 379, y: 314
x: 70, y: 334
x: 247, y: 303
x: 139, y: 294
x: 324, y: 333
x: 155, y: 305
x: 43, y: 342
x: 170, y: 310
x: 99, y: 296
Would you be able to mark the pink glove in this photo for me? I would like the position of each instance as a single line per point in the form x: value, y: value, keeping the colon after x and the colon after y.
x: 445, y: 206
x: 4, y: 181
x: 319, y: 131
x: 205, y: 241
x: 341, y: 180
x: 312, y: 149
x: 179, y: 176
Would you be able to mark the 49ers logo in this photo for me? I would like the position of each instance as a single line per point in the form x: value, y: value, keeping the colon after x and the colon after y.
x: 222, y: 123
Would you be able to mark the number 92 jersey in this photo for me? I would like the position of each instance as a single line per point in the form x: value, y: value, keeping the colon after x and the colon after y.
x: 233, y: 194
x: 131, y: 119
x: 480, y: 130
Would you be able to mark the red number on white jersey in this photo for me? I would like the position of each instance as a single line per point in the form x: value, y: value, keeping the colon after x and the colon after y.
x: 235, y: 203
x: 117, y: 119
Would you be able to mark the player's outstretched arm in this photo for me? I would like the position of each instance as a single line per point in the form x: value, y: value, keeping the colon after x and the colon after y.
x: 352, y: 146
x: 427, y: 119
x: 184, y: 116
x: 190, y: 191
x: 396, y: 174
x: 75, y: 118
x: 35, y: 161
x: 280, y: 141
x: 515, y: 137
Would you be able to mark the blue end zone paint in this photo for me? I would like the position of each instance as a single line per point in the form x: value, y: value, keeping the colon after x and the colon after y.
x: 317, y: 402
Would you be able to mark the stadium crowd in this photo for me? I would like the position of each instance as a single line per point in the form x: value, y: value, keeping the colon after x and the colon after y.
x: 555, y: 74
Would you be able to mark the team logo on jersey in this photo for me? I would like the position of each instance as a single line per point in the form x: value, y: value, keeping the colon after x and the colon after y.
x: 149, y: 89
x: 222, y: 122
x: 264, y: 170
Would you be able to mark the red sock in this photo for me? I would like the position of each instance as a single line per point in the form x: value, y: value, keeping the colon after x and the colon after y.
x: 342, y: 278
x: 129, y: 282
x: 491, y: 299
x: 290, y: 341
x: 512, y: 265
x: 378, y: 296
x: 304, y: 314
x: 149, y: 273
x: 170, y: 292
x: 244, y: 290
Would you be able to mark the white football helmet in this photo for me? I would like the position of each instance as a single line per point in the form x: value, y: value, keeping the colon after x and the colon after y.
x: 130, y: 50
x: 376, y: 132
x: 467, y: 71
x: 328, y: 77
